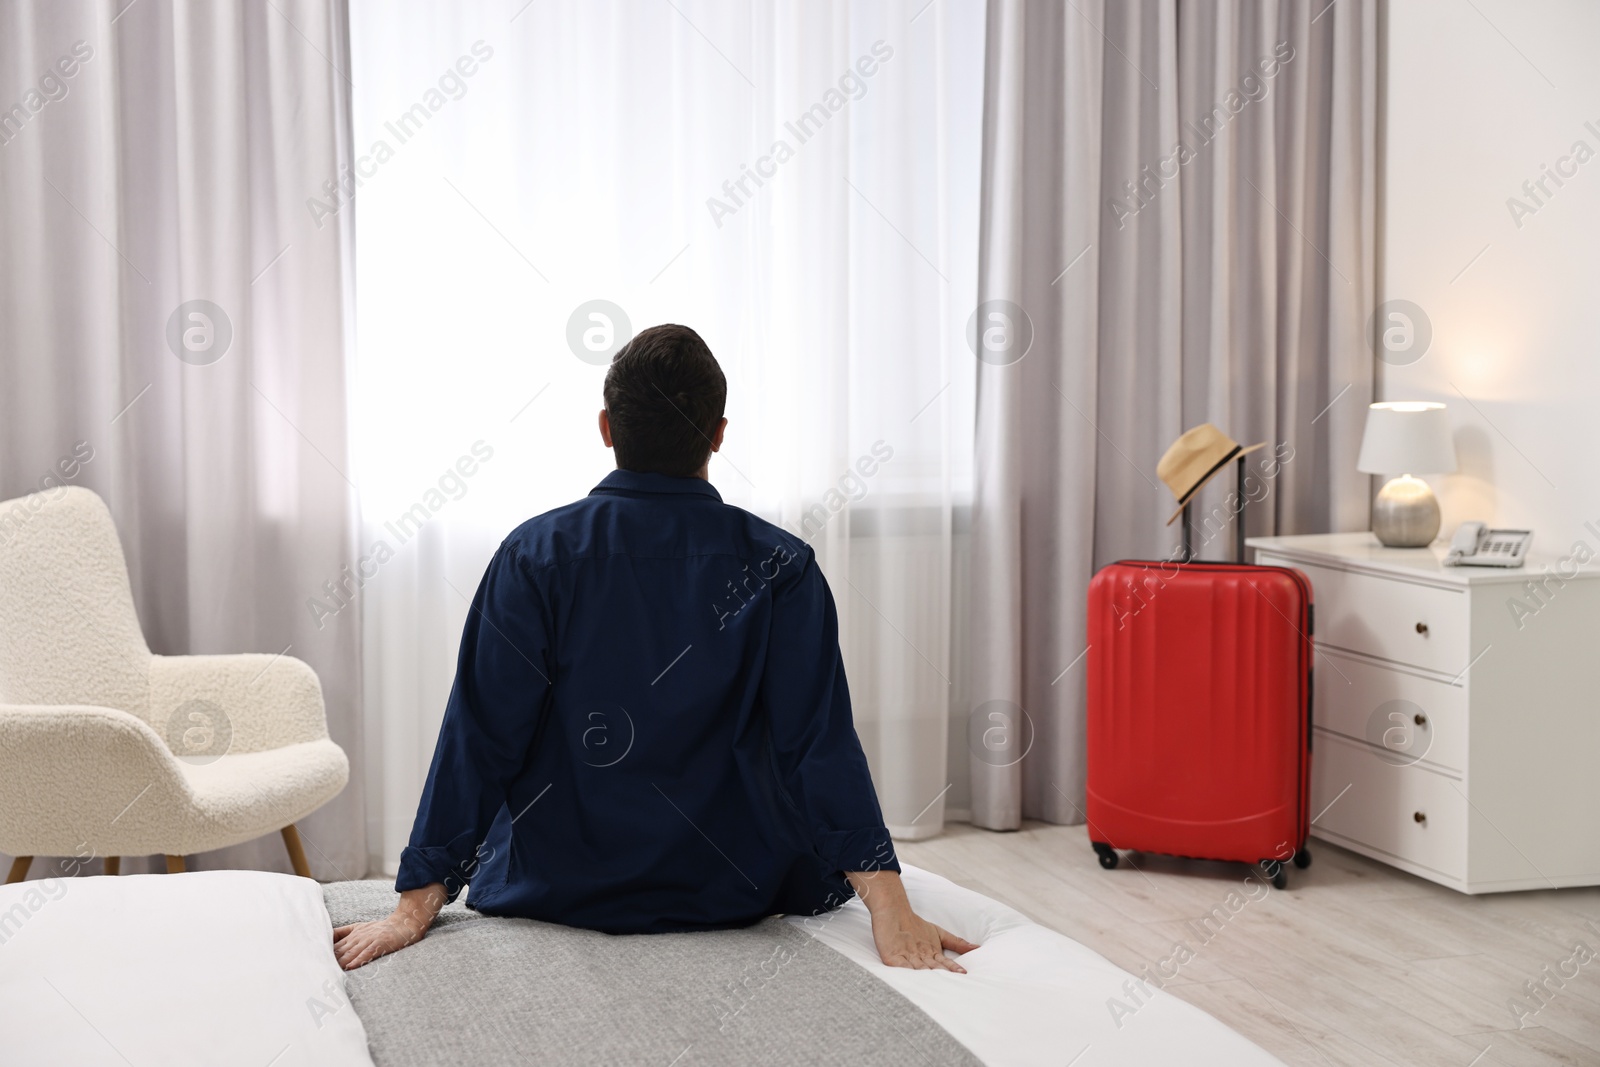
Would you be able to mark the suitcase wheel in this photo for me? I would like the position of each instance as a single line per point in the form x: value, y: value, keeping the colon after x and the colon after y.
x: 1275, y: 873
x: 1302, y: 859
x: 1107, y: 854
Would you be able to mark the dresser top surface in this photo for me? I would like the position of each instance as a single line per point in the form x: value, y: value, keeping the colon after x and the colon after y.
x: 1363, y: 551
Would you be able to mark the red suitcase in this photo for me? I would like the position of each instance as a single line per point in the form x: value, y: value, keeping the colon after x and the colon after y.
x: 1199, y: 712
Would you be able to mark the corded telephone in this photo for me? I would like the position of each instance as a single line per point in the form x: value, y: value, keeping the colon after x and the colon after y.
x: 1475, y: 545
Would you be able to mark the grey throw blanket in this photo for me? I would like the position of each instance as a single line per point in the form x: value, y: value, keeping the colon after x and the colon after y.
x: 488, y: 991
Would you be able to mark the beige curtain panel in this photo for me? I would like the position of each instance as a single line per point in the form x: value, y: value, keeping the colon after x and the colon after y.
x: 174, y: 331
x: 1178, y: 227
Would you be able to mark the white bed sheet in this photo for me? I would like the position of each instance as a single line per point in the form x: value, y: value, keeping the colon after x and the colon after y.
x: 1032, y: 995
x: 231, y: 967
x: 236, y: 967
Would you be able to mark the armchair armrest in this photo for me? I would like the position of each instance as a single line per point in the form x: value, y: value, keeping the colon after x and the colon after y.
x: 207, y: 706
x: 80, y: 780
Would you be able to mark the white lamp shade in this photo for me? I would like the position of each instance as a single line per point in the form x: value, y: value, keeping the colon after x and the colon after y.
x: 1407, y: 437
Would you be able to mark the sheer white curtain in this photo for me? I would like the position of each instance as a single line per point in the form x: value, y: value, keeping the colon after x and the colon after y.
x: 797, y: 181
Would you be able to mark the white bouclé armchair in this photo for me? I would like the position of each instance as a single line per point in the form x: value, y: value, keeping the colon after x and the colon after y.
x: 108, y: 750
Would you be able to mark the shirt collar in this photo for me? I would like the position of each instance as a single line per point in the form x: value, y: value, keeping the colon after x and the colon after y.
x: 632, y: 483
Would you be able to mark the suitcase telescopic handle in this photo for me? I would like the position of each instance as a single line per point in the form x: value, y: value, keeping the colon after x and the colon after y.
x: 1238, y: 521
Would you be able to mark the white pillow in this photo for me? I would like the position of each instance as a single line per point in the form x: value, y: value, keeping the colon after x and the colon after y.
x: 209, y: 968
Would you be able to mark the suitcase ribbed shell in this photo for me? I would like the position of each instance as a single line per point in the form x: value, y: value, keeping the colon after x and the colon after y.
x: 1199, y: 690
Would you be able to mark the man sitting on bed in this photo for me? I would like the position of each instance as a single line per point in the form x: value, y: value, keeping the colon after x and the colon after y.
x: 650, y: 727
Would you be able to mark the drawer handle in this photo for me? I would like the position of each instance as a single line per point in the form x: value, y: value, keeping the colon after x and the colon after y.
x: 1420, y: 719
x: 1422, y: 628
x: 1420, y: 817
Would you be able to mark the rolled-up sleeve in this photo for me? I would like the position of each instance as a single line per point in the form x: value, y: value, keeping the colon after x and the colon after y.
x: 814, y: 740
x: 502, y: 680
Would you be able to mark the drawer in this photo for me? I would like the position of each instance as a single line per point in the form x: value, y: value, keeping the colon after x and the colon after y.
x: 1380, y: 705
x: 1380, y: 803
x: 1389, y: 618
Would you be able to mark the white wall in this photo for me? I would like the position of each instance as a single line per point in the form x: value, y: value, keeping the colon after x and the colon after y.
x: 1481, y: 97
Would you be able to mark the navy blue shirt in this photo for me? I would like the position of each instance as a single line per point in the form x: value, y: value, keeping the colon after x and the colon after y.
x: 650, y: 727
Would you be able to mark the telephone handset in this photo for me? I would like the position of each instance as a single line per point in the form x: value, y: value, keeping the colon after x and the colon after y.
x: 1475, y: 545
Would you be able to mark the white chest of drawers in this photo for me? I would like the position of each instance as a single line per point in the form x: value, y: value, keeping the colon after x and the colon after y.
x: 1456, y: 710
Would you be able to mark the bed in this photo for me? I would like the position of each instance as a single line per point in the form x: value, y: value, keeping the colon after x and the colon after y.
x: 237, y: 967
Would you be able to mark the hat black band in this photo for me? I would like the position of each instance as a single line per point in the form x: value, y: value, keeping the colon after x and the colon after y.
x: 1184, y: 499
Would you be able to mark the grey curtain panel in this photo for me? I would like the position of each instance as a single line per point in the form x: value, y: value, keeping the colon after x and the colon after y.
x: 173, y: 331
x: 1177, y: 227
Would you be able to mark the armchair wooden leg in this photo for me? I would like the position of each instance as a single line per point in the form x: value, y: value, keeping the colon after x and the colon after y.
x: 297, y: 855
x: 113, y: 865
x: 19, y: 869
x: 175, y: 865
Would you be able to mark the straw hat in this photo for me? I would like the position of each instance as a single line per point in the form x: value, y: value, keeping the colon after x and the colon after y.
x: 1194, y: 459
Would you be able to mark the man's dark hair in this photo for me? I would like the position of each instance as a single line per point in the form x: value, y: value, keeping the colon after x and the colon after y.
x: 664, y: 395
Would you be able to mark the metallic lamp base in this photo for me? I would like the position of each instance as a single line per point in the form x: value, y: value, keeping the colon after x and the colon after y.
x: 1406, y: 513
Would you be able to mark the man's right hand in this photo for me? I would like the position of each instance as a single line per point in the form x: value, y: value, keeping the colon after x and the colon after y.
x: 361, y: 943
x: 904, y: 938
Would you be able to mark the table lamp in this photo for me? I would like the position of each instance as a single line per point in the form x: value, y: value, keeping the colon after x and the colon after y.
x: 1404, y: 438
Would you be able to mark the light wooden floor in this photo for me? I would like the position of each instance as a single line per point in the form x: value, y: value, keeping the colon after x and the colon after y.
x: 1355, y: 963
